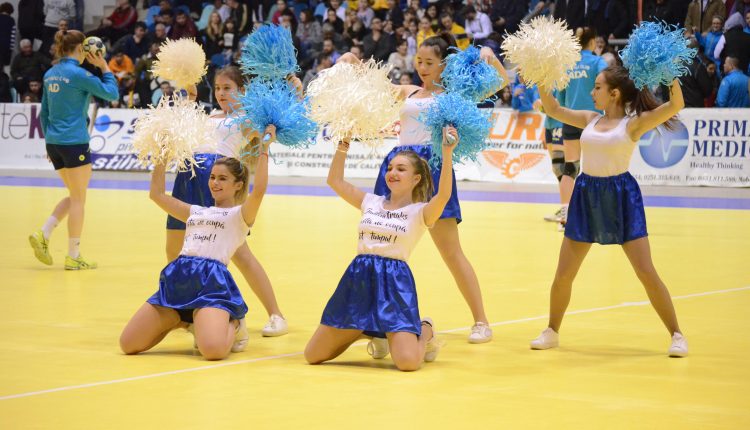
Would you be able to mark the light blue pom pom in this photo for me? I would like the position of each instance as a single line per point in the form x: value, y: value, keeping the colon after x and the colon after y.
x: 269, y: 53
x: 656, y: 53
x: 467, y: 74
x: 276, y: 103
x: 473, y: 126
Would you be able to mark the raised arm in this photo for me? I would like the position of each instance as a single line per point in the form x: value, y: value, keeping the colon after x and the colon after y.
x: 260, y: 183
x: 649, y: 120
x: 169, y: 204
x: 347, y: 191
x: 489, y: 56
x: 436, y: 205
x: 576, y: 118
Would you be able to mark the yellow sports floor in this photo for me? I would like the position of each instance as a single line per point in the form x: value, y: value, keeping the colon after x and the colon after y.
x: 60, y: 366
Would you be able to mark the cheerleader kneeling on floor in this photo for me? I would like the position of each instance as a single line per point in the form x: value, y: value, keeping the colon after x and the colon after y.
x: 197, y: 287
x: 377, y: 295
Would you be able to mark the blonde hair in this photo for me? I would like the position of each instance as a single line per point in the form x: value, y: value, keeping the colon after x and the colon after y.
x: 240, y: 173
x: 423, y: 191
x: 66, y: 42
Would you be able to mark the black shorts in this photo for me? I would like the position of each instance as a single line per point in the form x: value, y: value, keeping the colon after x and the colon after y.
x: 69, y: 156
x: 553, y: 136
x: 571, y: 133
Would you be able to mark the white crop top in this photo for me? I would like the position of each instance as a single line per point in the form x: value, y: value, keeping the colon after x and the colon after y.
x: 606, y: 153
x: 214, y: 233
x: 391, y: 234
x: 228, y: 138
x: 413, y: 131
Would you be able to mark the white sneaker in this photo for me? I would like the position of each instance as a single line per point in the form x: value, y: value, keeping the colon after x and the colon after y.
x: 276, y: 326
x: 433, y: 345
x: 679, y: 347
x: 548, y: 339
x: 240, y: 337
x: 378, y: 348
x: 480, y: 333
x: 560, y: 227
x: 556, y: 217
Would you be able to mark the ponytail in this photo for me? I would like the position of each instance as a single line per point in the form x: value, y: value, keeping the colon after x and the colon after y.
x: 66, y: 42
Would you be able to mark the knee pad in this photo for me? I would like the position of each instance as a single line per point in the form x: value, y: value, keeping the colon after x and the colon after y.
x: 571, y: 168
x: 558, y: 160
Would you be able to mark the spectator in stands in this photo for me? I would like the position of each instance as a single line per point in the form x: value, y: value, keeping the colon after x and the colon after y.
x: 709, y: 39
x: 394, y: 13
x: 329, y: 50
x: 118, y: 24
x: 309, y: 32
x: 323, y: 62
x: 538, y: 8
x: 281, y: 6
x: 378, y: 45
x: 478, y: 25
x: 739, y: 11
x: 31, y: 19
x: 701, y: 12
x: 735, y: 43
x: 336, y: 6
x: 134, y: 45
x: 159, y: 35
x: 401, y: 61
x: 734, y: 90
x: 357, y: 51
x: 506, y: 97
x: 5, y: 95
x: 610, y: 18
x: 145, y: 82
x: 230, y: 38
x: 27, y: 65
x: 406, y: 79
x: 458, y: 32
x: 121, y: 65
x: 604, y: 50
x: 715, y: 78
x: 507, y: 14
x: 334, y: 21
x: 183, y: 27
x: 241, y: 17
x: 365, y: 12
x: 36, y: 88
x: 696, y: 84
x: 425, y: 30
x: 662, y: 10
x: 212, y: 35
x: 416, y: 6
x: 166, y: 19
x: 129, y: 97
x: 433, y: 16
x: 410, y: 35
x: 54, y: 12
x: 7, y: 34
x: 30, y: 98
x: 165, y: 90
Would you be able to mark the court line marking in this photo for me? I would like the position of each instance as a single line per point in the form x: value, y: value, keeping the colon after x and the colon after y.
x: 293, y: 354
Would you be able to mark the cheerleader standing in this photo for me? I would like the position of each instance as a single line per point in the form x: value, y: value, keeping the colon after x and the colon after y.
x: 416, y: 136
x: 377, y: 295
x: 606, y: 206
x: 195, y: 190
x: 197, y: 288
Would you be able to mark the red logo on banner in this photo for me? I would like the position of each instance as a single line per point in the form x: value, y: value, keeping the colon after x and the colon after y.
x: 511, y: 167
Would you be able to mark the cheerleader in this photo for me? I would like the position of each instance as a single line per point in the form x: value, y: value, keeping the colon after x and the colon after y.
x: 197, y: 288
x: 377, y: 296
x: 416, y: 137
x: 606, y: 206
x: 196, y: 190
x: 68, y: 90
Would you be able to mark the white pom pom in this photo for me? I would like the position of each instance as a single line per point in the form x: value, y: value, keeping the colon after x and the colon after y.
x: 170, y: 133
x: 182, y: 61
x: 544, y: 51
x: 358, y: 101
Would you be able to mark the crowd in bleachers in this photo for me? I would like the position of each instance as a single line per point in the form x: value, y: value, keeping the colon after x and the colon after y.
x: 386, y: 30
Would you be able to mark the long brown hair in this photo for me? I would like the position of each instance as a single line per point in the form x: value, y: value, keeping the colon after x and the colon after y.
x: 66, y: 42
x: 422, y: 192
x: 632, y: 100
x: 240, y: 173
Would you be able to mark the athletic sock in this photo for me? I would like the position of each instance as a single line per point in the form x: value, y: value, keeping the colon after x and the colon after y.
x: 49, y: 226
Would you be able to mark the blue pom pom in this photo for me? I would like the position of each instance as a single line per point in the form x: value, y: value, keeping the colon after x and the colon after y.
x: 269, y: 53
x: 467, y: 74
x: 473, y: 126
x: 656, y: 53
x: 276, y: 103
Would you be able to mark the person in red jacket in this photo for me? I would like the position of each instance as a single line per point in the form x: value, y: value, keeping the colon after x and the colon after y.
x: 118, y: 24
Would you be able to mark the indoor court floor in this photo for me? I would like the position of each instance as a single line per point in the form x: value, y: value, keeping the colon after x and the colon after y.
x: 61, y: 368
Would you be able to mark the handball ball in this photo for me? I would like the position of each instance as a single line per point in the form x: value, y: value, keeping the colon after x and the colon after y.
x: 94, y: 45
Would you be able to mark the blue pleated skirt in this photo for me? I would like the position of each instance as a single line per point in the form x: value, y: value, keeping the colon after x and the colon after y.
x: 606, y: 210
x: 193, y: 190
x: 376, y: 295
x: 190, y: 283
x: 452, y: 209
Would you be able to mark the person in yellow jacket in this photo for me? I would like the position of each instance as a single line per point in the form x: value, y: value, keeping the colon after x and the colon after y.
x: 425, y: 30
x: 458, y: 32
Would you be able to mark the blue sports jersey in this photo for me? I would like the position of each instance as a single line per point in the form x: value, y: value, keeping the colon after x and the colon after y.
x: 578, y: 93
x: 549, y: 122
x: 67, y: 91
